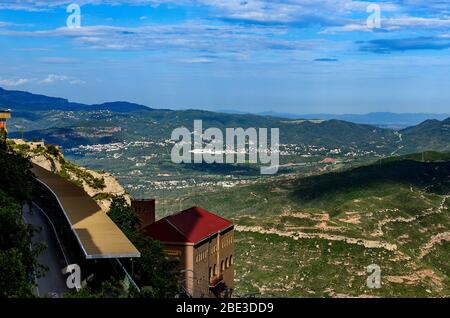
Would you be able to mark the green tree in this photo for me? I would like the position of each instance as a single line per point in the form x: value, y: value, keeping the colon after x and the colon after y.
x: 15, y: 234
x: 18, y: 255
x: 111, y: 288
x: 53, y: 150
x: 85, y: 292
x: 14, y: 279
x: 3, y: 136
x: 122, y: 214
x: 15, y: 175
x: 155, y: 272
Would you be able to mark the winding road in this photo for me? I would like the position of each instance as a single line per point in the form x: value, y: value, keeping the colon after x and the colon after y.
x: 53, y: 283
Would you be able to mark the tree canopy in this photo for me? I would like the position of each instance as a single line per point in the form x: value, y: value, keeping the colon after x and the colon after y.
x: 156, y: 274
x: 18, y: 255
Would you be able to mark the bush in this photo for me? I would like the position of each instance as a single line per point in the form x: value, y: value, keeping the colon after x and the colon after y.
x: 18, y: 255
x: 53, y: 150
x: 158, y: 275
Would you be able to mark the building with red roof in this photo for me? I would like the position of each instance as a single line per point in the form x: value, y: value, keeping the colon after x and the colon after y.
x: 4, y: 115
x: 204, y: 243
x: 329, y: 160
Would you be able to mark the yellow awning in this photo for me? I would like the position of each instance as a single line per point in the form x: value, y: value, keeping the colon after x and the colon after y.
x: 97, y: 234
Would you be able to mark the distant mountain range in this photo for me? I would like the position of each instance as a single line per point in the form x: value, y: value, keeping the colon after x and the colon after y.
x: 43, y: 117
x: 380, y: 119
x: 25, y: 101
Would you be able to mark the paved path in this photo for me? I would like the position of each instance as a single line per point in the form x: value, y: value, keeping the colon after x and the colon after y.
x: 53, y: 283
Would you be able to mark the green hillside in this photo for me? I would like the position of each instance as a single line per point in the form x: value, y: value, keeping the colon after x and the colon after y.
x: 314, y: 236
x: 70, y: 129
x: 429, y: 135
x: 380, y: 196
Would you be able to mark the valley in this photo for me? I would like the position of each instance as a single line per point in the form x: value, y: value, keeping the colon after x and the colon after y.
x: 346, y: 195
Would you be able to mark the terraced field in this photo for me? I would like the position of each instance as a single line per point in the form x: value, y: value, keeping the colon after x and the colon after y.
x: 315, y: 236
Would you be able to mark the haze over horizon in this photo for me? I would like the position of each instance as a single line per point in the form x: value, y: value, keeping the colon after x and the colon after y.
x: 251, y: 56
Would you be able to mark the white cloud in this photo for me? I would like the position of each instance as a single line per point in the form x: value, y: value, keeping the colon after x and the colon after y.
x: 42, y: 5
x: 262, y: 26
x: 4, y: 24
x: 56, y: 60
x: 347, y: 28
x: 188, y: 36
x: 392, y: 24
x: 12, y: 82
x: 198, y: 60
x: 49, y: 79
x: 76, y: 82
x: 53, y: 78
x: 417, y: 22
x: 281, y: 11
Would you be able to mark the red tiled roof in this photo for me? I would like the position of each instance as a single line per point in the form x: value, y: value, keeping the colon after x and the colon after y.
x: 329, y: 160
x: 188, y: 226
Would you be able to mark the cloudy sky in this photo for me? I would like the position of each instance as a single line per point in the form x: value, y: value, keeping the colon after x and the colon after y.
x: 297, y: 56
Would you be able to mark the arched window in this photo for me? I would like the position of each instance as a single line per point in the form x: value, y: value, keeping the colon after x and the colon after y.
x: 226, y: 263
x: 231, y: 260
x: 222, y: 266
x: 214, y: 270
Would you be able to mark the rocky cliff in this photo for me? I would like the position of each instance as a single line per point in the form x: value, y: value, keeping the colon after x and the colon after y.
x: 100, y: 185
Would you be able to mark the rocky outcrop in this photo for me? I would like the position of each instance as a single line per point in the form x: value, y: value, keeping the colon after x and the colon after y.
x: 101, y: 186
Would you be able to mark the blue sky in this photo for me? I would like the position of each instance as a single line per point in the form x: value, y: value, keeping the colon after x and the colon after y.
x: 297, y: 56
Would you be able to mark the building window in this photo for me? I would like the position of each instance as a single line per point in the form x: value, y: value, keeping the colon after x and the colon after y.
x: 226, y: 263
x: 215, y: 270
x: 231, y: 260
x: 222, y: 266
